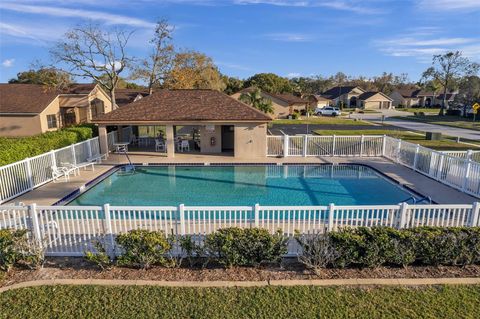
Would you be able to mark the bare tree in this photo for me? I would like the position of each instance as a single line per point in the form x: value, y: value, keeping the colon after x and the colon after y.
x: 91, y: 52
x: 154, y: 69
x: 446, y: 69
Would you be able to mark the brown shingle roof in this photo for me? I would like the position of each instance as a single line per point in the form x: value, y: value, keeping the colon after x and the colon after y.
x: 126, y: 96
x: 289, y: 98
x: 184, y: 105
x: 80, y: 88
x: 25, y: 98
x: 336, y: 91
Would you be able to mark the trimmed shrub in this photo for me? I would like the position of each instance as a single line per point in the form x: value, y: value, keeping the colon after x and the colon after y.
x: 99, y: 256
x: 317, y: 251
x: 245, y: 247
x: 17, y: 250
x: 143, y: 248
x: 17, y: 149
x: 376, y: 246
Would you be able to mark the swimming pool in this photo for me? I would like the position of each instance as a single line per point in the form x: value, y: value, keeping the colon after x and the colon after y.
x: 242, y: 185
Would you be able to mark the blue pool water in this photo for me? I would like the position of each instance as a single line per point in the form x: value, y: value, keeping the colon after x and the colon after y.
x: 244, y: 185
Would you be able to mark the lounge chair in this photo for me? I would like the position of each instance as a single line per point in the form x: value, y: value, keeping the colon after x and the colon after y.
x: 64, y: 172
x: 159, y: 146
x: 97, y: 159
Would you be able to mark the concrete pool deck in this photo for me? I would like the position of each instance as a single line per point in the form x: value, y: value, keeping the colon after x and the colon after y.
x: 50, y: 193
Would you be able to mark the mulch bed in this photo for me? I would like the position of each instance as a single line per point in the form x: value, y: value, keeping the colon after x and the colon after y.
x: 77, y: 268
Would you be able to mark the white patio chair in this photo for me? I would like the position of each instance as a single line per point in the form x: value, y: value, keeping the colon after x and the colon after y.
x: 74, y: 168
x: 58, y: 172
x: 159, y: 146
x: 133, y: 140
x: 185, y: 146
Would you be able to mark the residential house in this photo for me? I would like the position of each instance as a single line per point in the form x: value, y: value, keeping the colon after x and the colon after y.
x: 31, y: 109
x: 283, y: 104
x: 419, y: 98
x: 318, y: 101
x: 127, y: 96
x: 354, y: 96
x: 225, y: 124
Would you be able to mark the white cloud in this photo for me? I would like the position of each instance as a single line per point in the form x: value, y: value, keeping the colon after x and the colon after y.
x: 293, y: 75
x: 107, y: 18
x: 445, y: 5
x: 343, y: 5
x: 8, y: 63
x: 424, y: 45
x: 233, y: 66
x: 289, y: 37
x: 40, y: 34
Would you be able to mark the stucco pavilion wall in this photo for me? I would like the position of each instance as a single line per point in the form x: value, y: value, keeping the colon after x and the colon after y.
x: 250, y: 140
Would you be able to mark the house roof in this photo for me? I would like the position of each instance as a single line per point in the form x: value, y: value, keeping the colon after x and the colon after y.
x: 337, y: 91
x: 367, y: 95
x: 286, y: 97
x: 25, y: 98
x: 184, y: 105
x: 319, y: 97
x: 80, y: 88
x: 414, y: 93
x: 126, y: 96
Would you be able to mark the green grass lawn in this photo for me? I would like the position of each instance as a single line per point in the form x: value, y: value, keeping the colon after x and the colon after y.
x: 261, y: 302
x: 328, y: 120
x: 445, y: 144
x: 453, y: 121
x: 419, y: 109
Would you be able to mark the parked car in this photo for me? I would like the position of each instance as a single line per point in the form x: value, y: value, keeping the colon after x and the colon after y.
x: 328, y: 110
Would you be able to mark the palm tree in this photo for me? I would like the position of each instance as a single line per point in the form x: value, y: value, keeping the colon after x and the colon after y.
x: 256, y: 100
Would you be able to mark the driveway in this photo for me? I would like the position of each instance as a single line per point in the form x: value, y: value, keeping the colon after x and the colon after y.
x: 418, y: 126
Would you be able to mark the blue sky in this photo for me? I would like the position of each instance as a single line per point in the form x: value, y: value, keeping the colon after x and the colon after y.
x: 244, y: 37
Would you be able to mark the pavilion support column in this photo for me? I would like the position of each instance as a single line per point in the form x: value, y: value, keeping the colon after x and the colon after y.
x: 170, y: 141
x: 102, y: 138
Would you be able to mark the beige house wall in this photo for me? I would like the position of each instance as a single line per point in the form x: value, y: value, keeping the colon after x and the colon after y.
x: 16, y: 125
x: 281, y: 109
x: 205, y: 139
x: 250, y: 140
x: 377, y: 101
x: 52, y: 109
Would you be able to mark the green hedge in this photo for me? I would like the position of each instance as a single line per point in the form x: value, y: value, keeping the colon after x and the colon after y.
x: 17, y: 149
x: 373, y: 247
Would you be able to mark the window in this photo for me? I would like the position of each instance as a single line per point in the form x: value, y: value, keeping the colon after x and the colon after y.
x: 52, y: 121
x: 97, y: 107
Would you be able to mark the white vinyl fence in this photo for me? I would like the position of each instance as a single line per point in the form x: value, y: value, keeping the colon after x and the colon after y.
x: 459, y: 170
x: 70, y: 230
x: 23, y: 176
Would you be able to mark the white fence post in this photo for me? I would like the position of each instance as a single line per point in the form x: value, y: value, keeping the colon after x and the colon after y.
x: 181, y: 211
x: 333, y: 145
x: 29, y: 173
x: 37, y: 234
x: 384, y: 145
x: 469, y: 154
x: 403, y: 215
x: 305, y: 144
x: 362, y: 141
x: 108, y: 230
x: 331, y: 212
x: 89, y: 148
x: 73, y: 154
x: 468, y: 166
x: 256, y: 215
x: 285, y: 145
x: 52, y: 154
x: 415, y: 159
x: 399, y: 149
x: 475, y: 214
